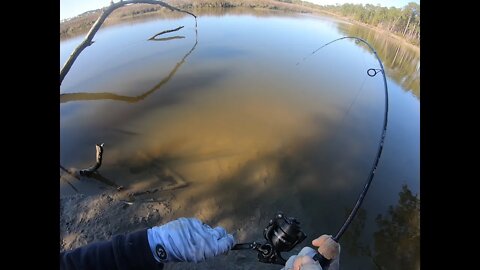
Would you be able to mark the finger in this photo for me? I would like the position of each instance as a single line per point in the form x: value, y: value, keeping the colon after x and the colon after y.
x: 307, y: 251
x: 225, y: 244
x: 220, y: 232
x: 320, y: 240
x: 289, y: 263
x: 329, y: 248
x: 191, y: 222
x: 196, y: 221
x: 302, y: 260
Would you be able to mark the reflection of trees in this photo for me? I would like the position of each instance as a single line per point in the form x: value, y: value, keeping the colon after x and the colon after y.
x: 130, y: 99
x: 402, y: 62
x: 351, y: 238
x: 397, y: 242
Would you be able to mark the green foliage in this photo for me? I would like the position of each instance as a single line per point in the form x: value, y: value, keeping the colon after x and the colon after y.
x: 402, y: 21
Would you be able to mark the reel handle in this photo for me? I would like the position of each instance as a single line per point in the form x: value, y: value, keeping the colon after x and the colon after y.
x: 242, y: 246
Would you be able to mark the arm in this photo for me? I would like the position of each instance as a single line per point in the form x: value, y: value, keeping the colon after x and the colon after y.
x: 130, y: 251
x: 181, y: 240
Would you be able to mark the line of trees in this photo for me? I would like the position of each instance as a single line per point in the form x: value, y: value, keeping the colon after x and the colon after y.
x: 404, y: 21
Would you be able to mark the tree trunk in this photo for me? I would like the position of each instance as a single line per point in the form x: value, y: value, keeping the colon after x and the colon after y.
x: 406, y: 27
x: 393, y: 25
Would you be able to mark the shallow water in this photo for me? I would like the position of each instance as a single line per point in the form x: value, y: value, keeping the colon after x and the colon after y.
x: 228, y: 110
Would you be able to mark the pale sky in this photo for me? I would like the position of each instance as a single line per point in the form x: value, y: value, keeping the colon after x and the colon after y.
x: 71, y: 8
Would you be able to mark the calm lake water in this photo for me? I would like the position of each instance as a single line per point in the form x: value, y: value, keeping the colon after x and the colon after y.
x: 229, y: 110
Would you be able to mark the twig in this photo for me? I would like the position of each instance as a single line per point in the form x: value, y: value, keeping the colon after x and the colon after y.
x: 167, y: 38
x: 107, y: 11
x: 138, y: 193
x: 166, y: 31
x: 68, y: 182
x: 69, y: 172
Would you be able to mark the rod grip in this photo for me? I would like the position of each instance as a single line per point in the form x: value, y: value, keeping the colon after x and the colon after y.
x: 324, y: 262
x: 242, y: 246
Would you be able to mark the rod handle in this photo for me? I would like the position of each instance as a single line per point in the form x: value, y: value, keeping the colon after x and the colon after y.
x: 324, y: 262
x: 242, y: 246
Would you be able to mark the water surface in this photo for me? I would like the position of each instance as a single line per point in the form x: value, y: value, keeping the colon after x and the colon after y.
x: 228, y: 109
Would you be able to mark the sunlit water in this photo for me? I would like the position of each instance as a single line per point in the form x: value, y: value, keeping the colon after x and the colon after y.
x: 244, y: 113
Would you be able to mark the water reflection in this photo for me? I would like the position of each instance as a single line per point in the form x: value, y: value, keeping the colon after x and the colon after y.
x: 401, y: 60
x: 83, y: 96
x: 401, y: 225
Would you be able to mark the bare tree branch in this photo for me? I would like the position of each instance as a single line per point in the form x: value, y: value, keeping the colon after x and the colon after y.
x: 107, y: 11
x: 166, y: 31
x: 69, y: 172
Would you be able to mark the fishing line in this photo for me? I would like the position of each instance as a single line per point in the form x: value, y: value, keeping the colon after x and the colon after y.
x: 372, y: 72
x: 354, y: 100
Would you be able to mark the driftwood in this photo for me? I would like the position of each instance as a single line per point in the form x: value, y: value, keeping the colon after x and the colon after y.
x: 99, y: 177
x: 66, y: 180
x: 94, y: 168
x: 107, y: 11
x: 164, y: 32
x: 167, y: 38
x: 69, y: 172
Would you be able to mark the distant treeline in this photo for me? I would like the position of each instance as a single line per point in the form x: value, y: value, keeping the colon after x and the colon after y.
x: 404, y: 21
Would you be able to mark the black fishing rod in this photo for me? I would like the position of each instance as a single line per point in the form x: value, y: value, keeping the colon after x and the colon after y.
x: 370, y: 72
x: 284, y: 233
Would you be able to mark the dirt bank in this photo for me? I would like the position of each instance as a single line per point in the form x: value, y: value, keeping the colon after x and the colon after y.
x: 85, y: 219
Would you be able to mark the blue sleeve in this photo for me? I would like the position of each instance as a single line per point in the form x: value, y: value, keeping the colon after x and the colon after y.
x: 122, y: 252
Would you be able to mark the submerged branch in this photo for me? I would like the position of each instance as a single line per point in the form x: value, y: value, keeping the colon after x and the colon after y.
x: 69, y: 172
x: 106, y: 12
x: 166, y: 31
x: 167, y: 38
x: 66, y: 97
x: 94, y: 168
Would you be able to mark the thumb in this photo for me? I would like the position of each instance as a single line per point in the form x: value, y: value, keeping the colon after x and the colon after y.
x: 225, y: 244
x: 320, y: 240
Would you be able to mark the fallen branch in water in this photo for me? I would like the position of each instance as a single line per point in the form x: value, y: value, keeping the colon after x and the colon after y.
x: 68, y: 182
x: 67, y: 97
x: 69, y: 172
x: 167, y: 38
x: 166, y: 31
x: 107, y: 11
x: 94, y: 168
x: 138, y: 193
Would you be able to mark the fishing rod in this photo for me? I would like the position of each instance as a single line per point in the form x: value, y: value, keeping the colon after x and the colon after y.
x: 284, y: 233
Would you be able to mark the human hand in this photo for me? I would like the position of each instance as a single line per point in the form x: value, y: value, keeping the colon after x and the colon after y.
x: 304, y: 260
x: 188, y: 240
x: 327, y: 247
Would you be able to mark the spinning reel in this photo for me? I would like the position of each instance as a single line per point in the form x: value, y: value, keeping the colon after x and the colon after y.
x: 282, y: 234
